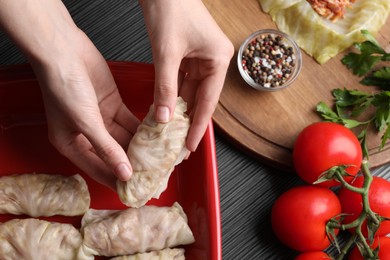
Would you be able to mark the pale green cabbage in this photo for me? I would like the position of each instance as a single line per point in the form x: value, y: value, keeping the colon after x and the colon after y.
x: 320, y: 37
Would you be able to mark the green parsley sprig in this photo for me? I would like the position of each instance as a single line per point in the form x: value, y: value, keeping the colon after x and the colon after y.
x: 380, y: 78
x: 363, y: 62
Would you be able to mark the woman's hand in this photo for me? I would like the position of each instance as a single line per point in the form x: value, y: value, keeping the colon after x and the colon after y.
x: 87, y: 120
x: 191, y: 56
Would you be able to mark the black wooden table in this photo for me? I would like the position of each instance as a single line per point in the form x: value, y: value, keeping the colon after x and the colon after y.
x: 248, y: 188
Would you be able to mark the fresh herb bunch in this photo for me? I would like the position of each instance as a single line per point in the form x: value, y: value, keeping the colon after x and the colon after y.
x: 362, y: 64
x: 350, y: 104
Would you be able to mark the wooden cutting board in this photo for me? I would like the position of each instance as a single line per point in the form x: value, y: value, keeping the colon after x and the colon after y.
x: 266, y: 124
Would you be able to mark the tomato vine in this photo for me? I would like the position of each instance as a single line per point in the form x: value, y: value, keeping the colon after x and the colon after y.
x: 367, y: 215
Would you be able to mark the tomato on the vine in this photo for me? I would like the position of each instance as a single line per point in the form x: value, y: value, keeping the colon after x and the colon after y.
x: 384, y: 249
x: 313, y: 255
x: 323, y: 145
x: 299, y: 217
x: 379, y: 200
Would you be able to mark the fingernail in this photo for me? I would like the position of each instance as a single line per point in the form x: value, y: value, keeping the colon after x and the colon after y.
x: 123, y: 172
x: 162, y: 114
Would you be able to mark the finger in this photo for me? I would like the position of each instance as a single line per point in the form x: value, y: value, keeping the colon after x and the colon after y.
x: 110, y: 152
x: 120, y: 134
x: 123, y: 126
x: 165, y: 88
x: 126, y: 119
x: 187, y: 91
x: 205, y: 103
x: 80, y: 151
x: 181, y: 76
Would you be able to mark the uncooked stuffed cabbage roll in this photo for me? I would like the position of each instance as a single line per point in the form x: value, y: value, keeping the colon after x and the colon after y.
x: 32, y: 239
x: 319, y: 37
x: 44, y: 195
x: 165, y: 254
x: 153, y: 152
x: 134, y: 230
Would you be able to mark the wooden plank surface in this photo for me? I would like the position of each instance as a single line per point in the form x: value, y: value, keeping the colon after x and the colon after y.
x: 266, y: 123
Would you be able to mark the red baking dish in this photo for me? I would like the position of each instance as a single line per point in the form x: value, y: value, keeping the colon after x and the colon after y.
x: 24, y: 148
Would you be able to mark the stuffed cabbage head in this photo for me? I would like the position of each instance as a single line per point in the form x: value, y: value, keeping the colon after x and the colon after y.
x: 153, y: 152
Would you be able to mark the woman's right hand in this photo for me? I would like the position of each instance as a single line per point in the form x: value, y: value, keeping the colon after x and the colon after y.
x: 186, y: 40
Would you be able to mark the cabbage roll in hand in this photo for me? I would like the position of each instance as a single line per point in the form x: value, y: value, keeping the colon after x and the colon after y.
x: 134, y: 230
x: 31, y: 239
x: 44, y: 195
x: 165, y: 254
x: 153, y: 152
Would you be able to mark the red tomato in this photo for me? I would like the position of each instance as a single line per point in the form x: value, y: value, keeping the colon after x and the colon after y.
x: 384, y: 249
x: 299, y: 217
x: 379, y: 200
x: 323, y: 145
x: 313, y: 255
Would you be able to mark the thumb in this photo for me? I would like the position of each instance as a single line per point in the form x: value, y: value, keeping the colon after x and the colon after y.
x: 111, y: 153
x: 165, y: 88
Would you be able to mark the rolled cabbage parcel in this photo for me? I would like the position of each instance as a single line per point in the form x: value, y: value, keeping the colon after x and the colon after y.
x: 46, y: 195
x: 31, y: 239
x: 134, y: 230
x: 153, y: 152
x: 165, y: 254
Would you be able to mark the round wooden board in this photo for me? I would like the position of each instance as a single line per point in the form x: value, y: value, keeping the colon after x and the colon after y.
x: 266, y: 124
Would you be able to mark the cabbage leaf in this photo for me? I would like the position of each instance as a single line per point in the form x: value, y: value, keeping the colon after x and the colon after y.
x: 319, y: 37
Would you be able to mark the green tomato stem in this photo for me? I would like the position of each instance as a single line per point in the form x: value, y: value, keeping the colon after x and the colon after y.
x: 355, y: 223
x: 348, y: 186
x: 366, y: 213
x: 363, y: 240
x: 345, y: 249
x: 365, y: 198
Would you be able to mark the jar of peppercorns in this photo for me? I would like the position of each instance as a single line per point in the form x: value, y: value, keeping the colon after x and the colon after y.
x: 269, y: 60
